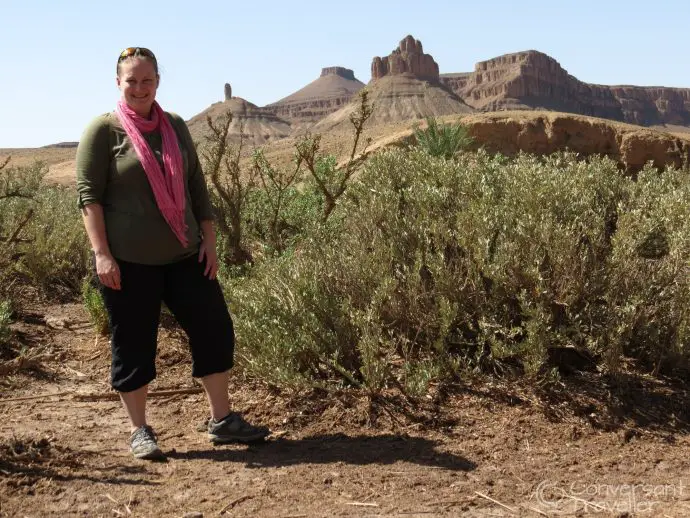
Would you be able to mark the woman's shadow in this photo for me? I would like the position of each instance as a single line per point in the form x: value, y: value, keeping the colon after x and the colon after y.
x: 331, y: 448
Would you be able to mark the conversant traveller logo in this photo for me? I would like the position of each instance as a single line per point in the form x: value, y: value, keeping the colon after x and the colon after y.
x: 572, y: 497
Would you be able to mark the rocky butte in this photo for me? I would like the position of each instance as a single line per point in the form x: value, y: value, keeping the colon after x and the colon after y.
x: 408, y: 58
x: 532, y: 80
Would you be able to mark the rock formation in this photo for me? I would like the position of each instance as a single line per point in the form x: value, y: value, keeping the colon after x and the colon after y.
x: 338, y: 71
x: 331, y: 91
x: 228, y: 91
x: 408, y: 58
x: 258, y: 125
x: 532, y: 80
x: 398, y: 98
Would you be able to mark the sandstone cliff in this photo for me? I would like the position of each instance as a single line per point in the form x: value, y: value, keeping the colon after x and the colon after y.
x: 532, y: 80
x: 543, y: 133
x: 330, y: 92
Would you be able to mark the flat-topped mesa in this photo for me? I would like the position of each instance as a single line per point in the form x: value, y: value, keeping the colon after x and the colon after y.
x: 533, y: 80
x: 408, y: 58
x: 338, y: 71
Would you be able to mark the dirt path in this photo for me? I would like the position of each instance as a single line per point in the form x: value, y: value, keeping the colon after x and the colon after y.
x: 479, y: 451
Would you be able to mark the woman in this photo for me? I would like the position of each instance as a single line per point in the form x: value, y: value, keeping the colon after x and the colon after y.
x: 147, y: 214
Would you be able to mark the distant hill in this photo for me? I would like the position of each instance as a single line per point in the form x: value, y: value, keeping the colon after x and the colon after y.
x: 332, y: 90
x: 63, y: 145
x: 259, y: 125
x: 396, y: 99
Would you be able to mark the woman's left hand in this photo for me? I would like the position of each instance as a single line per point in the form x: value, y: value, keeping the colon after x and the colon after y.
x: 207, y: 250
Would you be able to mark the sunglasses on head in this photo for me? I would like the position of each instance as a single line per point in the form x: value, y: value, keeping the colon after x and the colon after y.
x: 135, y: 51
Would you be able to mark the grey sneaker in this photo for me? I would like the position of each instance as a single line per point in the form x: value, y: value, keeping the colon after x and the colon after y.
x: 235, y: 429
x: 143, y: 445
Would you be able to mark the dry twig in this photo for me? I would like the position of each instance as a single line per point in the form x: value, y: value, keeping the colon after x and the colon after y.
x: 495, y: 501
x: 234, y: 503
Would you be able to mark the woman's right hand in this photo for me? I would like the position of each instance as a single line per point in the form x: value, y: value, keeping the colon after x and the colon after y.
x: 108, y: 271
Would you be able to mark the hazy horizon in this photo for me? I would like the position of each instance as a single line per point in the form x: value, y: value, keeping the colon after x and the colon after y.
x: 62, y: 71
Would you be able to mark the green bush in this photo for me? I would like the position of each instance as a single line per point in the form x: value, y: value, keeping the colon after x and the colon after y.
x: 430, y: 267
x: 301, y: 208
x: 5, y: 319
x: 58, y: 254
x: 442, y: 140
x: 95, y: 307
x: 42, y: 235
x: 650, y: 272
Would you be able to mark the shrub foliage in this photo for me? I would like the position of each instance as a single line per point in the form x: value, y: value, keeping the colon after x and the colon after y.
x: 435, y: 266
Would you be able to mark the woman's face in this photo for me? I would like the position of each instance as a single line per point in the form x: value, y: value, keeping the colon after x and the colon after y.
x: 138, y: 83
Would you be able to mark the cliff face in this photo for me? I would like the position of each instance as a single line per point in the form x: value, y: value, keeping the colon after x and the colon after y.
x: 533, y: 80
x: 330, y: 92
x: 544, y: 133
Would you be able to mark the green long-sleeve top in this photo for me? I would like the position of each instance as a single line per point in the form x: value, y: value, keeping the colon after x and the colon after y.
x: 110, y: 174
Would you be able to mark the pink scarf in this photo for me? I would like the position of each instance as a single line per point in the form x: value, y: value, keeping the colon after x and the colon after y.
x: 168, y: 189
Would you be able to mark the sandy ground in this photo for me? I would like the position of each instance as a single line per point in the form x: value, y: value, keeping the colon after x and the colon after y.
x: 480, y: 448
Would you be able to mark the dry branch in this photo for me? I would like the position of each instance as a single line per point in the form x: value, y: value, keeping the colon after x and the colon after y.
x: 106, y: 396
x: 234, y: 503
x: 115, y: 396
x: 495, y: 501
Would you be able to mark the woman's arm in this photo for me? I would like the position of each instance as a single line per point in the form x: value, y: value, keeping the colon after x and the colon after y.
x: 106, y: 267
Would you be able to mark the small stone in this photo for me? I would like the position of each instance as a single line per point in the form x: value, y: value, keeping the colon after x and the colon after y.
x: 193, y: 514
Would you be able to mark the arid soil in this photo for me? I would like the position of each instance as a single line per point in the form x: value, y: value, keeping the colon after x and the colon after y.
x: 589, y: 447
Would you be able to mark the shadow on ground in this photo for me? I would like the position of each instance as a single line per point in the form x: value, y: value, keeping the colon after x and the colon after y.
x: 324, y: 449
x: 615, y: 402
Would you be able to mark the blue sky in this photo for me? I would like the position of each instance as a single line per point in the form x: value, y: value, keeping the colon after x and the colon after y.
x: 58, y: 59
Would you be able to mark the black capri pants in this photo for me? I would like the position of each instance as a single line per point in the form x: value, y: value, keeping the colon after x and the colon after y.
x: 134, y: 313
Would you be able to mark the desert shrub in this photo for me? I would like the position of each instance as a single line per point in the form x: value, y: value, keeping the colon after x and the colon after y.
x: 229, y: 185
x: 57, y: 257
x: 18, y: 189
x: 43, y: 241
x: 5, y: 319
x: 276, y: 232
x: 650, y: 272
x: 442, y: 140
x: 429, y: 267
x: 95, y: 307
x: 330, y: 178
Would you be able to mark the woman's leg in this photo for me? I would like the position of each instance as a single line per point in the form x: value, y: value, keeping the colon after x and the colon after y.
x: 135, y: 406
x: 200, y: 308
x: 216, y: 387
x: 133, y: 313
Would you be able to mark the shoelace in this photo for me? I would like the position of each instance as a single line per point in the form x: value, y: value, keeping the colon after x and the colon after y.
x: 144, y: 434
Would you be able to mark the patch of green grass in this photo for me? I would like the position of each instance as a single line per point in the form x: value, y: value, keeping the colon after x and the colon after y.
x: 93, y: 302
